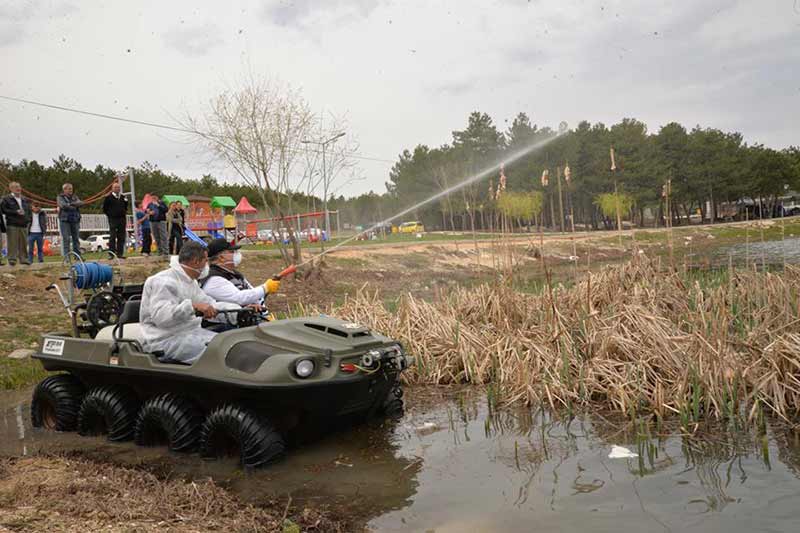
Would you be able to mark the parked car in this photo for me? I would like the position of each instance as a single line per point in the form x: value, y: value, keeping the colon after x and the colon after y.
x: 96, y: 243
x: 412, y: 227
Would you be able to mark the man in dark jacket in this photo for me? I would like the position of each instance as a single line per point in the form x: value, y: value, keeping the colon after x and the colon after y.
x: 158, y: 225
x: 69, y: 218
x: 17, y: 211
x: 2, y: 236
x: 115, y: 207
x: 36, y: 231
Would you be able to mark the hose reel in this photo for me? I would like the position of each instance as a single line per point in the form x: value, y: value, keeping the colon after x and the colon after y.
x: 104, y: 309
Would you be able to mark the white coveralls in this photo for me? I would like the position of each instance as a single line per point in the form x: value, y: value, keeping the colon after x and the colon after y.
x: 167, y: 317
x: 222, y: 290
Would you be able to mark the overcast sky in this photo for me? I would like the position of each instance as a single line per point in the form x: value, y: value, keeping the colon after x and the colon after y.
x: 404, y: 72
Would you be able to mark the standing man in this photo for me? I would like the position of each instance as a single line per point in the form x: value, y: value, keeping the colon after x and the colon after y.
x: 36, y: 231
x: 2, y: 237
x: 69, y: 215
x: 115, y: 207
x: 158, y: 217
x: 143, y: 221
x: 17, y: 211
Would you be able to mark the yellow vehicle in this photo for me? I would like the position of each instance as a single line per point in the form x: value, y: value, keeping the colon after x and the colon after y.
x: 412, y: 227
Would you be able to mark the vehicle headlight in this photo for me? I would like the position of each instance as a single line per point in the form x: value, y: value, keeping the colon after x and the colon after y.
x: 370, y: 358
x: 304, y: 368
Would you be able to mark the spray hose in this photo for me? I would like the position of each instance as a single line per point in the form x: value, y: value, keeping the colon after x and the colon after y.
x: 91, y: 275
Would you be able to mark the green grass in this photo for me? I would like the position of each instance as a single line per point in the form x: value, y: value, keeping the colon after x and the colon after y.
x: 16, y: 332
x: 19, y: 373
x: 394, y: 238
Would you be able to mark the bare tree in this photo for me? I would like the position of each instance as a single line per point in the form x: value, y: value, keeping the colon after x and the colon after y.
x: 257, y: 130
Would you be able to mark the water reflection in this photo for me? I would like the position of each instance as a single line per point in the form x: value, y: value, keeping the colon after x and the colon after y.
x: 490, y: 470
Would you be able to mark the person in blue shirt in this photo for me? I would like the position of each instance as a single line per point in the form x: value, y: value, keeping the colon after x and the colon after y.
x: 158, y: 223
x: 143, y: 221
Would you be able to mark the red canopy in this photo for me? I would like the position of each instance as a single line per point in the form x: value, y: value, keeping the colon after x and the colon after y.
x: 244, y: 207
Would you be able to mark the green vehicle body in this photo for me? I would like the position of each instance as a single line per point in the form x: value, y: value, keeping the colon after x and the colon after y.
x: 254, y: 366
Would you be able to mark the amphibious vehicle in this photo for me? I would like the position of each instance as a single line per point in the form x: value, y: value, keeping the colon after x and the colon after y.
x: 254, y: 386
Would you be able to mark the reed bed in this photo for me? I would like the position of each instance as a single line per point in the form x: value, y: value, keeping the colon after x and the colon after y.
x: 635, y: 338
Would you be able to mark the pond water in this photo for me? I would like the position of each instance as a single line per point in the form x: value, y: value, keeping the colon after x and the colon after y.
x: 454, y: 465
x: 768, y: 252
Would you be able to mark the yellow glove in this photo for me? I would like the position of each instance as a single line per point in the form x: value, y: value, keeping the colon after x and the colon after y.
x: 271, y: 286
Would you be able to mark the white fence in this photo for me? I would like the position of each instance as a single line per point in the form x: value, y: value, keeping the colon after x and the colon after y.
x: 89, y: 223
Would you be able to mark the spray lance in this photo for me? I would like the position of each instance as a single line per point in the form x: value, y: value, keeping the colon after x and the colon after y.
x: 273, y: 283
x: 291, y: 269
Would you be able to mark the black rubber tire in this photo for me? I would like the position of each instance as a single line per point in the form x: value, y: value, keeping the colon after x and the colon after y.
x: 108, y: 411
x: 233, y: 429
x: 56, y: 402
x: 171, y: 420
x: 393, y: 406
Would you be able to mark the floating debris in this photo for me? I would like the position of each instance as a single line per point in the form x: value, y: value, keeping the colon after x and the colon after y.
x: 621, y: 452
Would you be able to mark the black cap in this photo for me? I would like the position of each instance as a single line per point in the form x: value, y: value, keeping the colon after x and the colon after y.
x: 217, y: 246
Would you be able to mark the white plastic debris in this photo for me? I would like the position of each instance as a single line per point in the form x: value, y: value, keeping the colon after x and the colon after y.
x: 426, y: 428
x: 620, y: 452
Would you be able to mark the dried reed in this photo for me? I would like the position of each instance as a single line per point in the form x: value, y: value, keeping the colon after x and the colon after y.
x: 634, y: 338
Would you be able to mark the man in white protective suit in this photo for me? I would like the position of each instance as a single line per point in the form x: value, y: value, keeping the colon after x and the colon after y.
x: 170, y: 300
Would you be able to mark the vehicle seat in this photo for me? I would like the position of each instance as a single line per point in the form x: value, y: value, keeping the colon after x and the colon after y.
x: 129, y: 315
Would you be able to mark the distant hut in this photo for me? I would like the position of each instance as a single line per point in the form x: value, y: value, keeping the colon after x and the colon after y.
x: 199, y: 206
x: 243, y: 209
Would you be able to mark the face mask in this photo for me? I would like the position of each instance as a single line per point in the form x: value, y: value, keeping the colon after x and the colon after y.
x: 237, y: 258
x: 203, y: 273
x: 173, y: 262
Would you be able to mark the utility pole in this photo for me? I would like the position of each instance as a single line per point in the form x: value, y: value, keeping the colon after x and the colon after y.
x: 324, y: 145
x: 616, y: 195
x: 568, y: 179
x: 667, y: 191
x: 133, y: 209
x: 560, y: 199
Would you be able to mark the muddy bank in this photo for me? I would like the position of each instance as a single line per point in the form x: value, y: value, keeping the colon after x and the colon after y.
x: 65, y: 494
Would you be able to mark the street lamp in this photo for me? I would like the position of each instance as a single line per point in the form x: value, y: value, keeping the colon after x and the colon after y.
x: 324, y: 145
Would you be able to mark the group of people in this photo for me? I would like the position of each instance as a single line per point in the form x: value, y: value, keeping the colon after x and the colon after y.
x: 23, y: 224
x: 200, y: 281
x: 163, y: 224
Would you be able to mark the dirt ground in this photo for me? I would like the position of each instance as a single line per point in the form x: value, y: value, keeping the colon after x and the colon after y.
x: 75, y: 494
